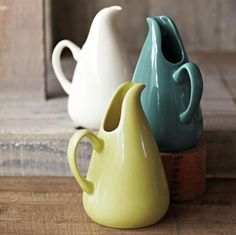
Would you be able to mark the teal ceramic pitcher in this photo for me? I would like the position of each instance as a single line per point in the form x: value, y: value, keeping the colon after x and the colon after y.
x: 173, y: 87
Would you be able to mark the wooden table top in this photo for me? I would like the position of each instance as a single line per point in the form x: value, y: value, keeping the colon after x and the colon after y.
x: 53, y: 205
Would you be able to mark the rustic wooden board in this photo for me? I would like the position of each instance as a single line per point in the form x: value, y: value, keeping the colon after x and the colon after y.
x: 21, y: 49
x: 34, y: 135
x: 54, y: 206
x: 186, y: 173
x: 45, y: 153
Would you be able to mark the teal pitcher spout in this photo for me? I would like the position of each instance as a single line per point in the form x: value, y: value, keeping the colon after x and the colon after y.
x: 173, y: 87
x: 164, y: 34
x: 171, y: 43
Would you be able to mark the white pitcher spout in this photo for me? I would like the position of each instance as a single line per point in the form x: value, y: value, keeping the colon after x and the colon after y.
x: 117, y: 8
x: 112, y: 9
x: 108, y: 12
x: 102, y: 23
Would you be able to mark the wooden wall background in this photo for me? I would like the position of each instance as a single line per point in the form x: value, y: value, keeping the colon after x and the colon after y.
x: 21, y: 50
x: 203, y: 24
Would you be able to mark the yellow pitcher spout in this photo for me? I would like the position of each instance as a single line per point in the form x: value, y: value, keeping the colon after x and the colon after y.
x: 134, y: 92
x: 126, y: 98
x: 132, y: 114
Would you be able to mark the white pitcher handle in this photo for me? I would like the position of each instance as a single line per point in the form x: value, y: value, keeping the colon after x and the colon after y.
x: 56, y: 62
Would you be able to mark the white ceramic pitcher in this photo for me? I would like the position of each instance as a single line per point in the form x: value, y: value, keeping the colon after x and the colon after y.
x: 102, y: 65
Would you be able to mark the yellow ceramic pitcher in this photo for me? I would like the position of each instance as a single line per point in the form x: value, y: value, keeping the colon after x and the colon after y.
x: 125, y: 185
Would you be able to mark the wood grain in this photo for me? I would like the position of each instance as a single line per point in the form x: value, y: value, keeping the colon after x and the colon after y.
x: 21, y: 49
x: 197, y: 21
x: 186, y: 173
x: 203, y: 24
x: 54, y: 206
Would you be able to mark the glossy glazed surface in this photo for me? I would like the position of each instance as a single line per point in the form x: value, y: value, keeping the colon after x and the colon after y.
x: 102, y: 66
x: 126, y: 186
x: 173, y: 87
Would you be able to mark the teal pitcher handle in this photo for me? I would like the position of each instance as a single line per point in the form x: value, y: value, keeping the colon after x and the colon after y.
x: 196, y: 89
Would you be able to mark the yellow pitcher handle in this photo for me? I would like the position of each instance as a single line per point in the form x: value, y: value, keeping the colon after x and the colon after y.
x: 97, y: 144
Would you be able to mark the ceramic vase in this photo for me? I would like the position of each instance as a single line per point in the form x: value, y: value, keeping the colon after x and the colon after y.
x: 125, y: 186
x: 102, y: 66
x: 171, y: 99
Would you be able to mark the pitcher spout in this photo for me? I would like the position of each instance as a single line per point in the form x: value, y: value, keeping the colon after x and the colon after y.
x: 126, y: 96
x: 108, y: 13
x: 134, y: 91
x: 131, y: 104
x: 165, y: 35
x: 113, y: 10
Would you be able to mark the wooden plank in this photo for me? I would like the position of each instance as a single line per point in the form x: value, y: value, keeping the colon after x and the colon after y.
x: 54, y: 206
x: 186, y: 173
x: 229, y: 77
x: 227, y: 19
x: 221, y: 144
x: 48, y: 42
x: 68, y: 184
x: 44, y: 154
x: 21, y: 49
x: 203, y: 59
x: 209, y: 229
x: 214, y: 91
x: 47, y: 8
x: 205, y: 214
x: 231, y: 82
x: 223, y: 60
x: 38, y: 184
x: 63, y: 219
x: 221, y: 186
x: 33, y: 139
x: 39, y: 157
x: 34, y: 136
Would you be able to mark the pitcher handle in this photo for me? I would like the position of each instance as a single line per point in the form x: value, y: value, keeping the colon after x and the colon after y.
x: 56, y: 62
x: 97, y: 144
x: 196, y: 89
